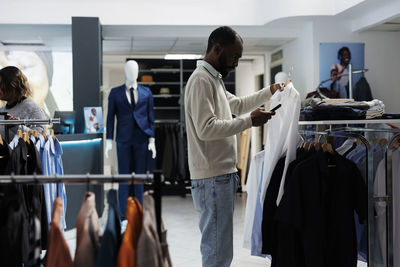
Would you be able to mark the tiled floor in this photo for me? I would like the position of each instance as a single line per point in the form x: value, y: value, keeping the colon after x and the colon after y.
x: 180, y: 219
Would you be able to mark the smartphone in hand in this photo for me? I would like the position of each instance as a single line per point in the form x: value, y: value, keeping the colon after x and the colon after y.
x: 275, y: 108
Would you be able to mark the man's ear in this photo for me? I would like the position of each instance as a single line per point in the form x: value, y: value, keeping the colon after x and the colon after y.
x: 217, y: 49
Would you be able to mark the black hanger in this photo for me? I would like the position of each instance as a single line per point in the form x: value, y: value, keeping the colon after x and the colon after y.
x: 132, y: 186
x: 58, y: 182
x: 87, y: 183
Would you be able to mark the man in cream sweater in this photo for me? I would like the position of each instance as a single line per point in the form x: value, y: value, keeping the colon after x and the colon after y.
x: 211, y: 133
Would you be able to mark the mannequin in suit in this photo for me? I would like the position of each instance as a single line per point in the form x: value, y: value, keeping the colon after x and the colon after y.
x: 135, y: 129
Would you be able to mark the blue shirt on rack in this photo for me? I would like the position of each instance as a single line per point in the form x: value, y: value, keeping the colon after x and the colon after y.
x: 52, y: 165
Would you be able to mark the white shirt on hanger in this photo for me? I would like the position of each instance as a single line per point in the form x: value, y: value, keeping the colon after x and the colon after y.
x: 282, y: 136
x: 253, y: 180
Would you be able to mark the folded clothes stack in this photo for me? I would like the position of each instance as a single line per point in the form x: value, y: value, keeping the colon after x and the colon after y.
x: 342, y: 109
x: 376, y: 109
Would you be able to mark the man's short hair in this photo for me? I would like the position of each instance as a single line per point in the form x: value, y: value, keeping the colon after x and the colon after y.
x: 223, y: 35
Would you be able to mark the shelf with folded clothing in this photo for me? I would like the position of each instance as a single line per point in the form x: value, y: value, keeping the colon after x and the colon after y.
x: 166, y: 108
x: 165, y: 95
x: 156, y: 70
x: 167, y: 80
x: 329, y: 109
x: 162, y: 83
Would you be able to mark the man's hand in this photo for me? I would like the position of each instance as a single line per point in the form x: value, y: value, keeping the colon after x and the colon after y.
x: 275, y: 87
x: 11, y: 117
x: 260, y: 116
x: 334, y: 74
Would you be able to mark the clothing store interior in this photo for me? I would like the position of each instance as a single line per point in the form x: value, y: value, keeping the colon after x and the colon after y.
x: 98, y: 146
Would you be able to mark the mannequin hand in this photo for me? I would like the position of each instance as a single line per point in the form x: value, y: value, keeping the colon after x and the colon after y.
x: 108, y: 147
x: 152, y: 147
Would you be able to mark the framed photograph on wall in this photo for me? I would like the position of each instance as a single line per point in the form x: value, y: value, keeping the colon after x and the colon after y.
x: 93, y: 119
x: 334, y: 59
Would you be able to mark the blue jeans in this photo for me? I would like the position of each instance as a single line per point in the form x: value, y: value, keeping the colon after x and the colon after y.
x: 214, y: 200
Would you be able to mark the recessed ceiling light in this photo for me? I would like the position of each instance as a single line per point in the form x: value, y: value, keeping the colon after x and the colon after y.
x: 35, y: 42
x: 182, y: 56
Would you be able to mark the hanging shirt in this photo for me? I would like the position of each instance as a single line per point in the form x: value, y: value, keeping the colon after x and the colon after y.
x: 380, y: 207
x: 253, y: 181
x: 52, y: 165
x: 14, y: 241
x: 319, y: 205
x: 111, y: 239
x: 57, y: 251
x: 13, y: 144
x: 282, y: 136
x: 88, y: 233
x: 149, y: 252
x: 128, y: 249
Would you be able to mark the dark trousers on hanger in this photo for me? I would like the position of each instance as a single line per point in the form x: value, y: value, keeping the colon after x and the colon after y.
x: 132, y: 157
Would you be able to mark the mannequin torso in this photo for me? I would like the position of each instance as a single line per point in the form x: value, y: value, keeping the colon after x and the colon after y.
x: 131, y: 75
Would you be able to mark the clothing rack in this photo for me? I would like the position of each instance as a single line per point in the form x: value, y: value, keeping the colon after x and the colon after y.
x: 9, y: 123
x: 29, y: 121
x: 356, y: 132
x: 95, y: 179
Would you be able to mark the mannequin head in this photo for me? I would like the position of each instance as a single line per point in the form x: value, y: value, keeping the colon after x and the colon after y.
x: 131, y: 72
x: 281, y: 77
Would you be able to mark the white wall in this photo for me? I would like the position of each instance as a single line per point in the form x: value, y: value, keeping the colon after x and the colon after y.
x: 382, y: 58
x: 244, y: 78
x: 298, y: 60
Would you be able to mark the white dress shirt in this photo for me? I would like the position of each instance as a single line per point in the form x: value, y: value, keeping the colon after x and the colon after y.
x: 253, y: 181
x: 135, y: 94
x: 282, y: 136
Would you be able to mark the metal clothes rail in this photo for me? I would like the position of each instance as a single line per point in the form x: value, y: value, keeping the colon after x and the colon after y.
x: 29, y: 121
x: 388, y: 198
x: 95, y: 179
x: 9, y: 123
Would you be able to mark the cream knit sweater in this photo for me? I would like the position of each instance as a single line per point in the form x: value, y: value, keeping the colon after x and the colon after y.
x: 211, y: 130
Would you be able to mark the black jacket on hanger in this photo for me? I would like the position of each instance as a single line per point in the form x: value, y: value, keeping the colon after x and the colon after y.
x: 362, y: 90
x: 318, y: 206
x: 28, y: 208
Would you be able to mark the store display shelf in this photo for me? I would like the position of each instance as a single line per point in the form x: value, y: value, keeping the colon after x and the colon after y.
x: 166, y: 108
x: 161, y: 83
x: 155, y: 70
x: 165, y: 96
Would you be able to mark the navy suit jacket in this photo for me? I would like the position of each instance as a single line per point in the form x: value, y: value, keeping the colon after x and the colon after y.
x: 119, y: 106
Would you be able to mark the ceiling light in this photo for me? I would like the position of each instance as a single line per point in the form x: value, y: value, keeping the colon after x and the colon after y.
x: 35, y: 42
x: 182, y: 56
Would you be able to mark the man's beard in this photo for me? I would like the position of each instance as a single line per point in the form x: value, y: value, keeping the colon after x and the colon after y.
x: 223, y: 68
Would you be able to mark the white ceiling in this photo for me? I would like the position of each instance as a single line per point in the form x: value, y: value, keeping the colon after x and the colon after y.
x: 137, y: 39
x: 161, y: 39
x: 389, y: 26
